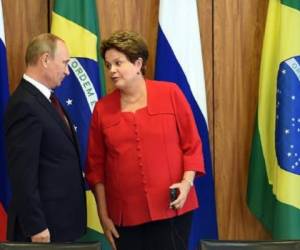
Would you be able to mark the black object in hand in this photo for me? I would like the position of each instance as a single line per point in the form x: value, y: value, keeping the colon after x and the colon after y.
x: 173, y: 194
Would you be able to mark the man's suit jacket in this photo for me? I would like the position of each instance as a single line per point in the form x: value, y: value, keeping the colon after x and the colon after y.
x: 44, y: 169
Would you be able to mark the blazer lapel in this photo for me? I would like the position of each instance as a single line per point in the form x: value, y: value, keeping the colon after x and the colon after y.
x: 48, y: 106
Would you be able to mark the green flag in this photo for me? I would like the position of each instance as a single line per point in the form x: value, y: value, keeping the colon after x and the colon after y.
x: 274, y: 173
x: 76, y: 22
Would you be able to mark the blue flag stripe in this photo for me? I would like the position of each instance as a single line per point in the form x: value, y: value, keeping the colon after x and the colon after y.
x: 5, y: 192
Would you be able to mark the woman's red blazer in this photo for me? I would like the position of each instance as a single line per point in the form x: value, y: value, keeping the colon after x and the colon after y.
x: 138, y: 155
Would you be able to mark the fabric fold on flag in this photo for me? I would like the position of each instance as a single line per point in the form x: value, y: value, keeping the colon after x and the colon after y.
x: 5, y: 192
x: 179, y: 60
x: 274, y: 172
x: 76, y: 22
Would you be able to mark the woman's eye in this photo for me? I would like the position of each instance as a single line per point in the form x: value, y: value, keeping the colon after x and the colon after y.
x: 108, y: 66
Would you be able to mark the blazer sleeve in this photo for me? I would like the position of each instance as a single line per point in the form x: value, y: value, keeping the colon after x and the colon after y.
x: 23, y: 138
x: 190, y: 141
x: 96, y: 150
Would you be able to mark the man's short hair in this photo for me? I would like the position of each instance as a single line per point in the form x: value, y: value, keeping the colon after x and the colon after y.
x: 43, y: 43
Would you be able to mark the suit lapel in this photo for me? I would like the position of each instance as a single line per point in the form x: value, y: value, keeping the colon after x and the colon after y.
x: 73, y: 132
x: 47, y: 105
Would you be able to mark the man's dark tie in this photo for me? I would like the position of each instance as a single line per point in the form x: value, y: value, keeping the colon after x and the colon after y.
x: 55, y: 103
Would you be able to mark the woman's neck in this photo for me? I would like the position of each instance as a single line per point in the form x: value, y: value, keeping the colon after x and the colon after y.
x: 134, y: 98
x: 134, y: 91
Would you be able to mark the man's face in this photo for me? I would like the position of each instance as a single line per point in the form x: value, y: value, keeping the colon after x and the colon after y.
x: 58, y: 65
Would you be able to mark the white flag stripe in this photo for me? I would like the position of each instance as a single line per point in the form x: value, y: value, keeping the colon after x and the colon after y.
x: 2, y: 35
x: 185, y: 40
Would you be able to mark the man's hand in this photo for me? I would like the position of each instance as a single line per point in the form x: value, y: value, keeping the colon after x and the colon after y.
x: 43, y: 236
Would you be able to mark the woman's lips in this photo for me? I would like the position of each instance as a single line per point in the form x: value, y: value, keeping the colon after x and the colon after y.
x: 115, y: 79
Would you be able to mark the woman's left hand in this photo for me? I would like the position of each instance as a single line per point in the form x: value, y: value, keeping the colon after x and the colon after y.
x: 183, y: 188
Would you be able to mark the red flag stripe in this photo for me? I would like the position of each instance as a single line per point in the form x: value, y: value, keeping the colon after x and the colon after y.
x: 3, y: 223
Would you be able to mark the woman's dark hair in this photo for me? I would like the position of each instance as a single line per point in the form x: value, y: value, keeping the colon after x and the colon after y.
x: 129, y: 43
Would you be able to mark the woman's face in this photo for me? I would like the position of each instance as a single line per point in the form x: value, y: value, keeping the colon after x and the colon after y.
x: 121, y: 71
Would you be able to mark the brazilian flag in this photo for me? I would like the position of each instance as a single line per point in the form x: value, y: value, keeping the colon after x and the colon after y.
x: 274, y: 174
x: 76, y: 22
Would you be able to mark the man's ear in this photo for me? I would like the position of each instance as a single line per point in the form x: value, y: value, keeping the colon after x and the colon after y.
x: 44, y: 59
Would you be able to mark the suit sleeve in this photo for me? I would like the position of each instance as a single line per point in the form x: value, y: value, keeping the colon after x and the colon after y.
x: 23, y: 134
x: 190, y: 141
x: 96, y: 150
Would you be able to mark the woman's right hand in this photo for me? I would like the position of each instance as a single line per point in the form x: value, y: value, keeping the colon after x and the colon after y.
x: 107, y: 224
x: 110, y: 231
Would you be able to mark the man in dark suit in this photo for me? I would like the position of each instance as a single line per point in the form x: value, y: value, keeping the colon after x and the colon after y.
x: 48, y: 194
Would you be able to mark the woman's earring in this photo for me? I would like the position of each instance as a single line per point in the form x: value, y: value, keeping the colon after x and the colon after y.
x: 138, y: 72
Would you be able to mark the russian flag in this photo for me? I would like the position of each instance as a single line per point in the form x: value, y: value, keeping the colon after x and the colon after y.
x: 4, y: 94
x: 179, y: 60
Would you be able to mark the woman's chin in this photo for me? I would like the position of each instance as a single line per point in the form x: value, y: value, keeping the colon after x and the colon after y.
x: 119, y: 84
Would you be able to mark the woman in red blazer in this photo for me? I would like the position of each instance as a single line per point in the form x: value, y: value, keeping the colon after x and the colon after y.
x: 142, y: 142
